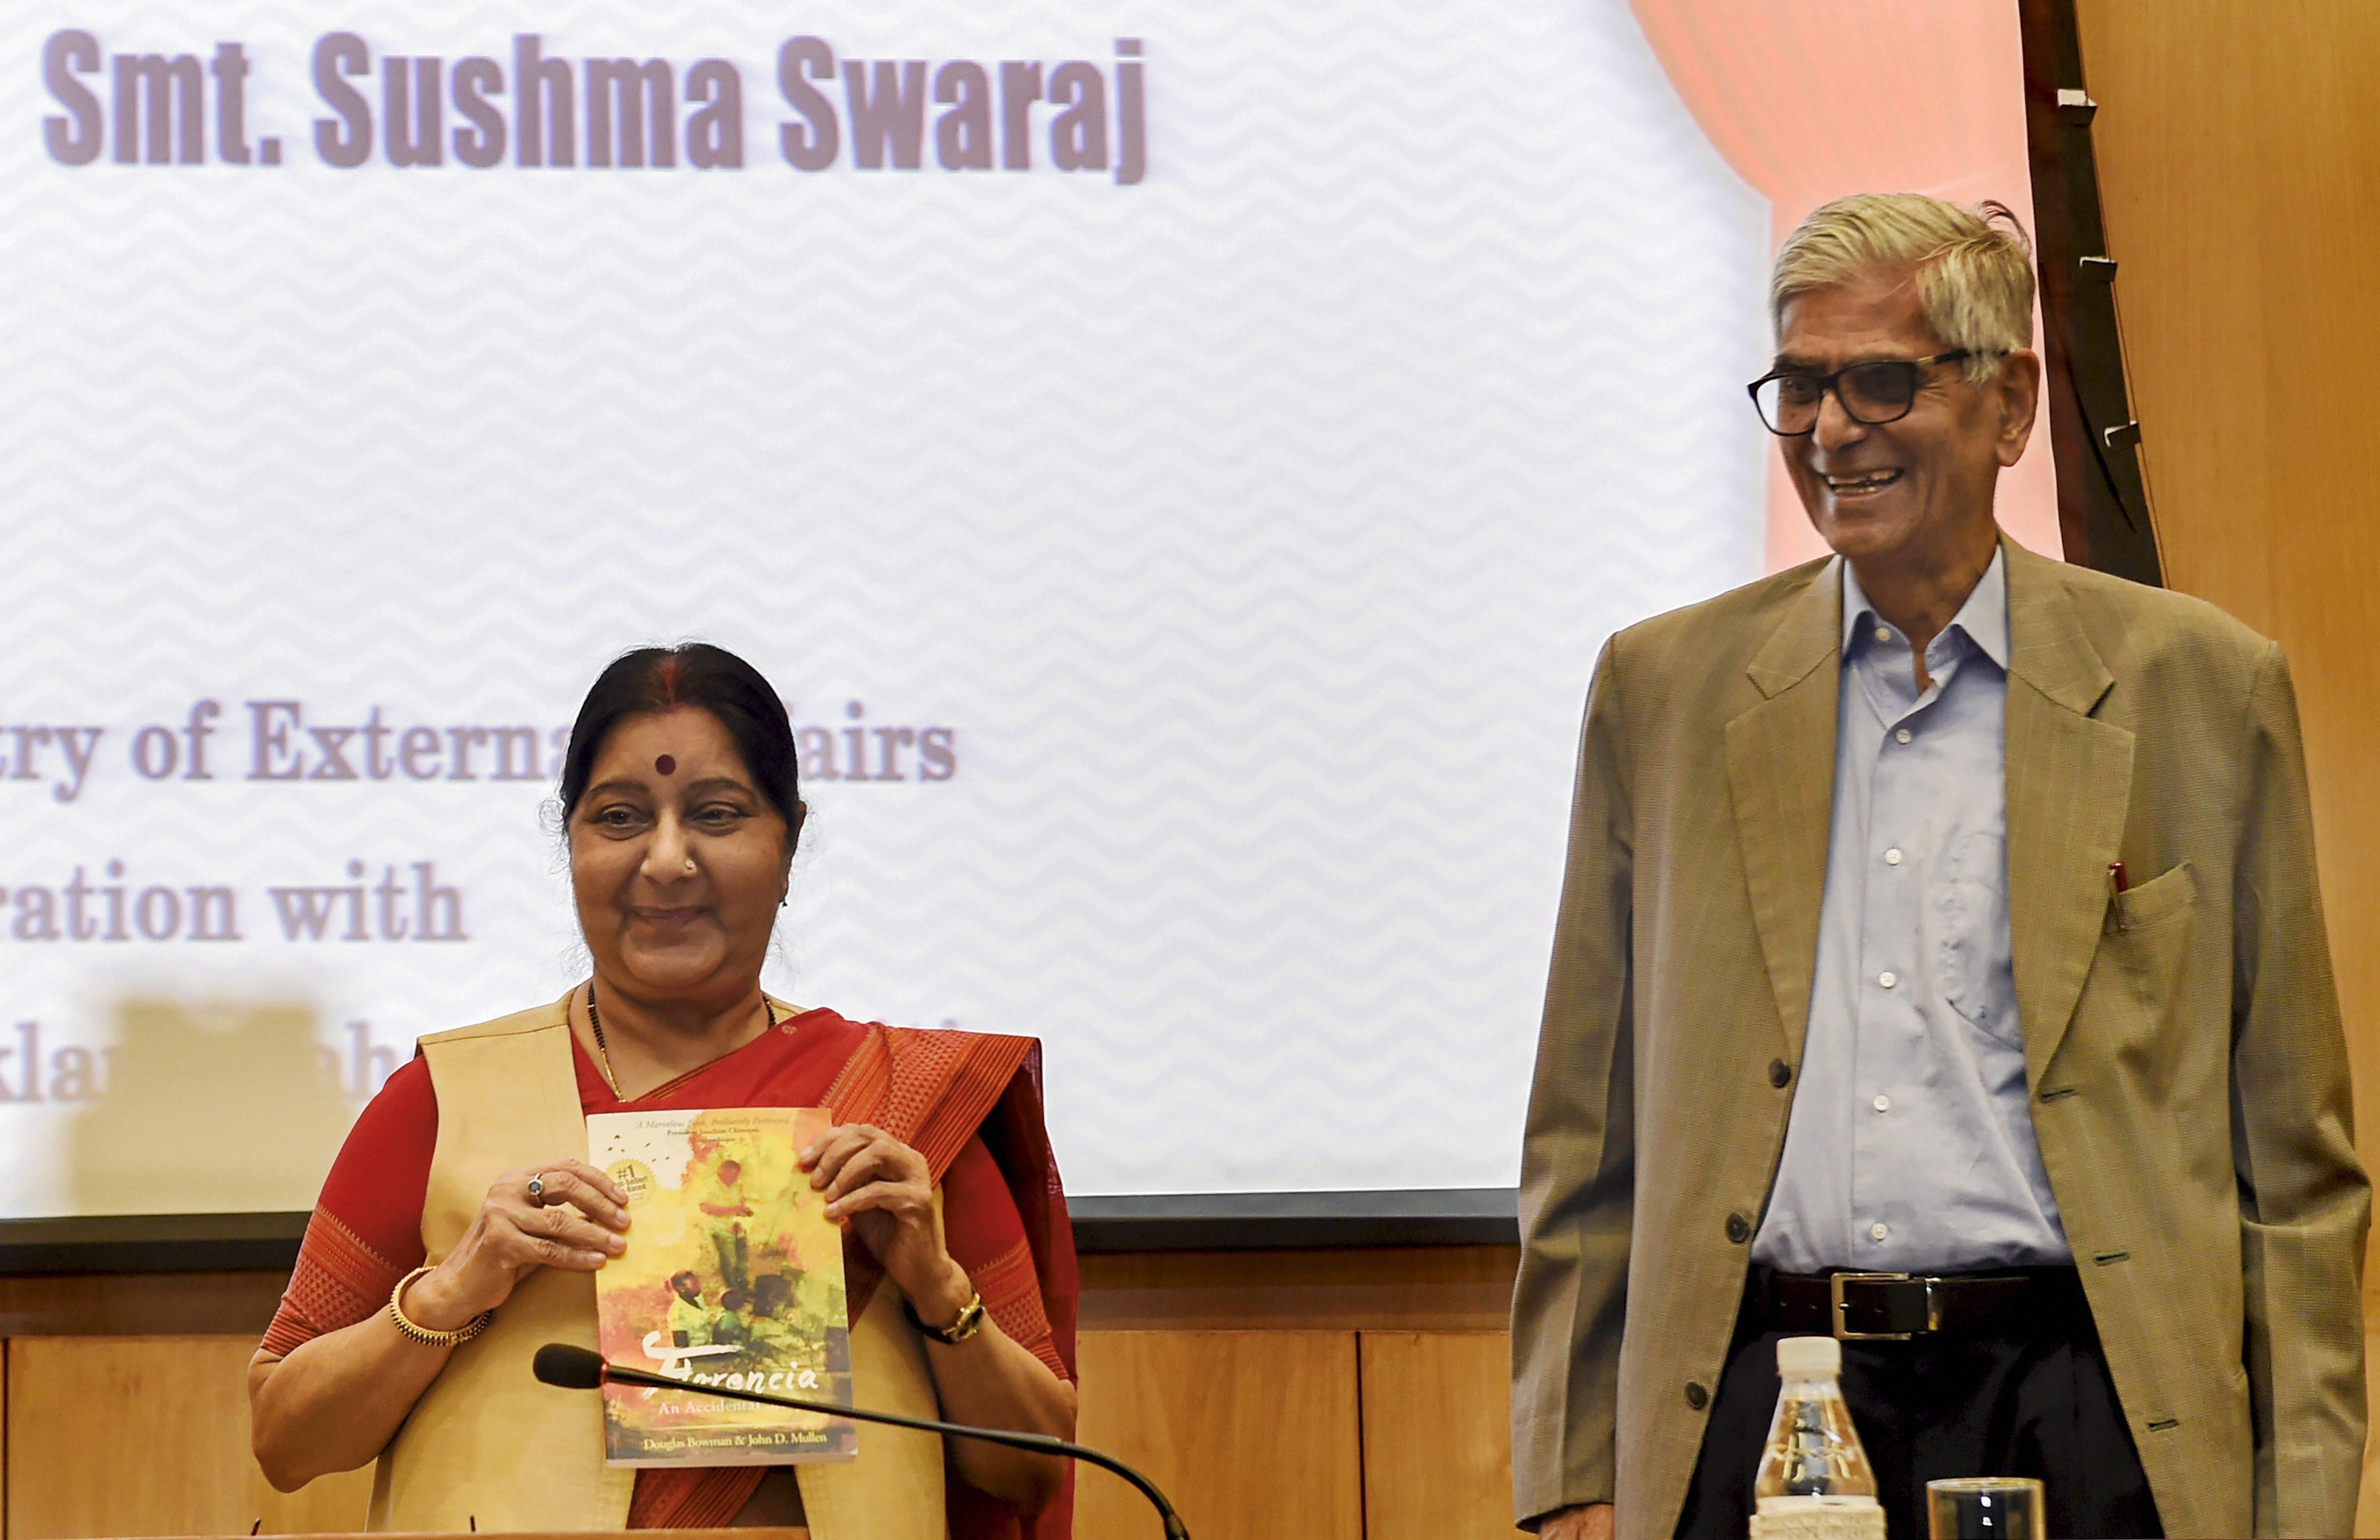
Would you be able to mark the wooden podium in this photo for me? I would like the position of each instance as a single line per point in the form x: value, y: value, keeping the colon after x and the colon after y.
x: 756, y: 1533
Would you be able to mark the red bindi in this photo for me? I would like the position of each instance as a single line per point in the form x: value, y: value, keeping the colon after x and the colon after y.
x: 667, y: 765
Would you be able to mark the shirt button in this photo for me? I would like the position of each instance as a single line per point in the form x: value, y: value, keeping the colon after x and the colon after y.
x: 1781, y: 1074
x: 1878, y: 1231
x: 1887, y: 979
x: 1901, y: 736
x: 1892, y: 857
x: 1883, y: 1103
x: 1884, y: 632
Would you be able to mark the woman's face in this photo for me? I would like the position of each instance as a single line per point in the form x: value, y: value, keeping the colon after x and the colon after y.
x: 677, y: 861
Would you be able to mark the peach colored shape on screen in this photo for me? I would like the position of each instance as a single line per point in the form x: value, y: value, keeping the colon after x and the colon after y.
x: 1812, y: 99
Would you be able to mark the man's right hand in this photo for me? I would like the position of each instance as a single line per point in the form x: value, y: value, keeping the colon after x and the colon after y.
x: 1591, y: 1522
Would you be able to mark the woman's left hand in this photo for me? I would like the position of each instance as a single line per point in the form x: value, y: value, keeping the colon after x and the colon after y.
x: 884, y: 1191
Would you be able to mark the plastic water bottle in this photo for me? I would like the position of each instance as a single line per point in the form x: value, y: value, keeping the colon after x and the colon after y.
x: 1815, y: 1481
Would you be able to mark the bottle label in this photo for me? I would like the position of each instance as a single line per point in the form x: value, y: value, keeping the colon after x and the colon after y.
x: 1818, y: 1518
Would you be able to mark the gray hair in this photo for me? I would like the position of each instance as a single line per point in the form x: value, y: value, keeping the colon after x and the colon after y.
x: 1974, y: 267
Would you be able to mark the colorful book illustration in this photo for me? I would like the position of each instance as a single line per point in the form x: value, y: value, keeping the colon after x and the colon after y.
x: 733, y: 1275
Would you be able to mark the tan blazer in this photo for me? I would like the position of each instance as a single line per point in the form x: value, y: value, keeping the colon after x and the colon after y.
x: 2182, y: 1043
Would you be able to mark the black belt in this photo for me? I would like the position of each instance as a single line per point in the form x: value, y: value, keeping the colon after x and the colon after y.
x: 1891, y: 1307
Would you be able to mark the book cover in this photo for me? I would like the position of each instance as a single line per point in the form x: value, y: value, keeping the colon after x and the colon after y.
x: 733, y: 1275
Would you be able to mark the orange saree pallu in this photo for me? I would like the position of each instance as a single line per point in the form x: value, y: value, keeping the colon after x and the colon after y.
x: 970, y: 1103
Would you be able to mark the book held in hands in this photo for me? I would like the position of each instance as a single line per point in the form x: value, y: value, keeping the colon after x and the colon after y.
x: 733, y: 1277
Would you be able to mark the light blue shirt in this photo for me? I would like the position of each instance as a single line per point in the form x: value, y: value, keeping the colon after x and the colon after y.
x: 1910, y: 1146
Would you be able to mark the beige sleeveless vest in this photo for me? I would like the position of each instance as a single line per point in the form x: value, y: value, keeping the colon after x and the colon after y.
x: 487, y: 1447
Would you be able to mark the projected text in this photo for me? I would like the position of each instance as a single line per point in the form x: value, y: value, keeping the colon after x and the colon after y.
x: 531, y: 107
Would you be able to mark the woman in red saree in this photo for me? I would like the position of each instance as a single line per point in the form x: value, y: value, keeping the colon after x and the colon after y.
x: 679, y: 796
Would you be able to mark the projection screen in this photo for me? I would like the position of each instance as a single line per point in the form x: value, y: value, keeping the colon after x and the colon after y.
x: 1178, y: 463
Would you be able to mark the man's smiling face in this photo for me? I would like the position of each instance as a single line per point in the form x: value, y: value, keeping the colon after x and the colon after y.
x: 1920, y: 484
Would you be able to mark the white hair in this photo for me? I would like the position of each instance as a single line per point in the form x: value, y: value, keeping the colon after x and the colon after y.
x: 1974, y: 267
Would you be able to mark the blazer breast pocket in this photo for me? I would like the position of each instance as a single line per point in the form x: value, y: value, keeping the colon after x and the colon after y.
x: 2145, y: 945
x: 2154, y: 903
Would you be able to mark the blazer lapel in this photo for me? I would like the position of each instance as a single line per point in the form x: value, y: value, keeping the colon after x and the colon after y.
x: 2069, y: 779
x: 1781, y: 772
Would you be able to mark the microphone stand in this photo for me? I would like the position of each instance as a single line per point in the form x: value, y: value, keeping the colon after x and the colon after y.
x: 1037, y: 1443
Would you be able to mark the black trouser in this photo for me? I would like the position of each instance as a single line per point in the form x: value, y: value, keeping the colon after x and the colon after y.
x: 2036, y: 1402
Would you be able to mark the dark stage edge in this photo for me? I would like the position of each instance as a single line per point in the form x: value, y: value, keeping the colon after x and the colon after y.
x: 1182, y: 1221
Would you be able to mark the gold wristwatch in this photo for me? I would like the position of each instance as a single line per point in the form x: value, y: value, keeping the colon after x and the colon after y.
x: 970, y: 1321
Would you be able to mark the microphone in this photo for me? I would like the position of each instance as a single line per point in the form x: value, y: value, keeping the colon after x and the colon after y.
x: 575, y: 1368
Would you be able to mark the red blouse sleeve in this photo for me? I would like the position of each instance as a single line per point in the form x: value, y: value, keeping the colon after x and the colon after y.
x: 987, y: 1237
x: 366, y: 1232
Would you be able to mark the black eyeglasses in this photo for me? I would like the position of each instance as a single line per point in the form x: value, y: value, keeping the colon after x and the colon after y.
x: 1871, y: 394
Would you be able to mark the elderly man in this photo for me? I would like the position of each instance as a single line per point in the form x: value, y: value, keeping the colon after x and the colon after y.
x: 1940, y: 964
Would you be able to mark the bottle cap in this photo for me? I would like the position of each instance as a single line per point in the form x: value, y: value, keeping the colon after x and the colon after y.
x: 1808, y: 1355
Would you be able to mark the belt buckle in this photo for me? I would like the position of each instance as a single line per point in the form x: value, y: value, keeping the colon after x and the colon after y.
x: 1835, y: 1282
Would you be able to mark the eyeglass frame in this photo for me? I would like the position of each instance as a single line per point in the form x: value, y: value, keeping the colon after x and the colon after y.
x: 1829, y: 384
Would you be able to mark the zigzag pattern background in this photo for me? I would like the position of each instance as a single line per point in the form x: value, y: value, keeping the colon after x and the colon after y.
x: 1255, y: 527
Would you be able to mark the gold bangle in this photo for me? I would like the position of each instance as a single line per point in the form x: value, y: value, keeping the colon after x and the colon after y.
x: 970, y: 1321
x: 422, y: 1334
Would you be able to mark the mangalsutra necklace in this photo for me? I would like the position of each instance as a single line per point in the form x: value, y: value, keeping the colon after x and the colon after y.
x: 603, y: 1051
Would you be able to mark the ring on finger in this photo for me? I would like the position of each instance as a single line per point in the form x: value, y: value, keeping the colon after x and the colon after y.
x: 537, y: 1189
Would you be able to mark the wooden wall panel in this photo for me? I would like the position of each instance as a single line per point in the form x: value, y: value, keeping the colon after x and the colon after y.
x: 2239, y: 150
x: 140, y: 1305
x: 1438, y: 1451
x: 1254, y: 1434
x: 1413, y: 1289
x: 1410, y: 1289
x: 130, y: 1436
x: 2240, y: 165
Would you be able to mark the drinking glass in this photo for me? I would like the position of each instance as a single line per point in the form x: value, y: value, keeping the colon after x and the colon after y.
x: 1983, y: 1508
